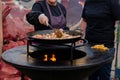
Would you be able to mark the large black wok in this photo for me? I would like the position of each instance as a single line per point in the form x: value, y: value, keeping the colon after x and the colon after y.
x: 55, y: 41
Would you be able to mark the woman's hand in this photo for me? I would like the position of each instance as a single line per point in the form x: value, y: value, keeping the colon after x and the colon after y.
x: 43, y: 19
x: 83, y: 26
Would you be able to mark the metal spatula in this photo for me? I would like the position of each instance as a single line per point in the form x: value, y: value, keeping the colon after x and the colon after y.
x: 50, y: 26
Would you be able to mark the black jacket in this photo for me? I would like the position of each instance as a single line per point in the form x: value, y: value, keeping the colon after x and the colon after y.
x: 100, y: 16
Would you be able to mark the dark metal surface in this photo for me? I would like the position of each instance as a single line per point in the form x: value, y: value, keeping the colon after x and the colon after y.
x: 60, y: 55
x: 55, y: 41
x: 81, y: 67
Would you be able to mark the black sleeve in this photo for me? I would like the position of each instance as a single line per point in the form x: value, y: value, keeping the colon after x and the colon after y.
x: 32, y: 16
x: 115, y: 6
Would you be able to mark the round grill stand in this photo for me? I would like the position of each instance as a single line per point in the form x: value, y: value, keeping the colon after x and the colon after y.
x: 72, y: 46
x: 28, y: 43
x: 81, y: 68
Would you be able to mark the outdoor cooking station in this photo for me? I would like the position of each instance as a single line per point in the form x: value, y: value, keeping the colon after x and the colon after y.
x: 71, y: 61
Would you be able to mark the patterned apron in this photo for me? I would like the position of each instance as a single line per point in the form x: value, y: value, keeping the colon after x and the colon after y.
x: 57, y: 21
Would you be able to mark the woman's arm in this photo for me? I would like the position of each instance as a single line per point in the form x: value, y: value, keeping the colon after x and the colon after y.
x: 83, y: 26
x: 32, y: 16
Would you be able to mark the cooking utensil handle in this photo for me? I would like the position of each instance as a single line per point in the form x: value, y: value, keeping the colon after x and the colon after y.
x: 50, y: 26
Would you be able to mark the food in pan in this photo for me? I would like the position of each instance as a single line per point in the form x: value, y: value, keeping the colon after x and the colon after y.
x: 56, y: 34
x: 100, y: 47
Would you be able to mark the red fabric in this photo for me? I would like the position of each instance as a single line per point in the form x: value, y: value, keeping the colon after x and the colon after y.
x: 8, y: 72
x: 12, y: 44
x: 14, y: 25
x: 15, y: 28
x: 5, y: 11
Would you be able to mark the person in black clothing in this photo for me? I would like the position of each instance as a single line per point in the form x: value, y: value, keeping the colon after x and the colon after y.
x: 47, y: 12
x: 98, y: 25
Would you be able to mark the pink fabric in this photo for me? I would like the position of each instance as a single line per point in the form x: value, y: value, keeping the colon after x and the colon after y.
x: 7, y: 72
x: 14, y: 34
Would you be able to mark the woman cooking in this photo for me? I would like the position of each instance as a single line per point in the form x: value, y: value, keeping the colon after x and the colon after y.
x: 47, y: 12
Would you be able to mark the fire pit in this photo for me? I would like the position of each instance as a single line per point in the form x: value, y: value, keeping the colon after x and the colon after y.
x: 76, y: 66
